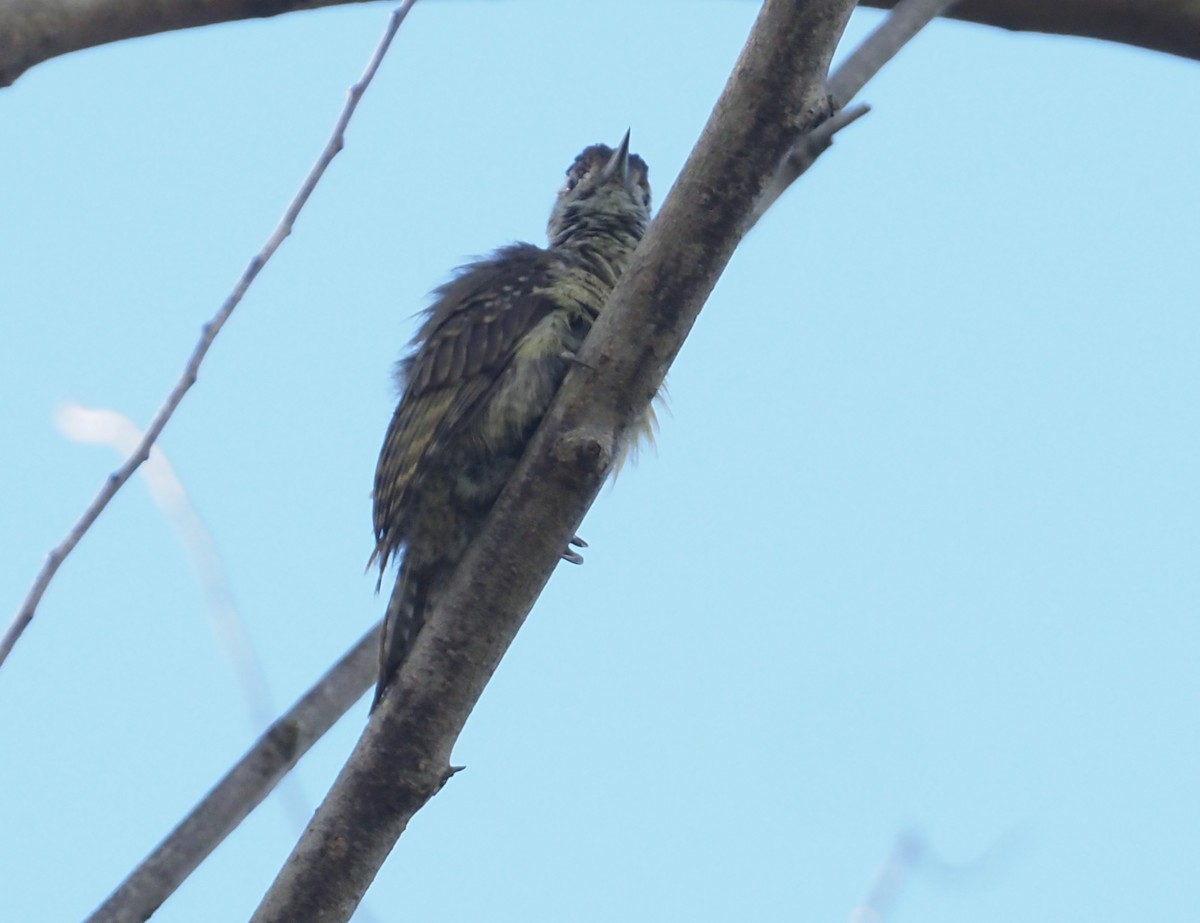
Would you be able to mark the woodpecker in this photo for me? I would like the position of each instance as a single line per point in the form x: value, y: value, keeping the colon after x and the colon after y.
x: 491, y: 353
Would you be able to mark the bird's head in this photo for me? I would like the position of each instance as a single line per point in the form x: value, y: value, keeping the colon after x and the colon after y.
x: 607, y: 192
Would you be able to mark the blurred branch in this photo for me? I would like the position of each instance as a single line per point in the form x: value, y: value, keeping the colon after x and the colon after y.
x: 402, y: 759
x: 118, y: 478
x: 889, y: 878
x: 912, y: 853
x: 243, y: 788
x: 33, y: 31
x: 107, y: 427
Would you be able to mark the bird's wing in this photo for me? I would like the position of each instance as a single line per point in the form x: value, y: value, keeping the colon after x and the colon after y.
x: 469, y: 336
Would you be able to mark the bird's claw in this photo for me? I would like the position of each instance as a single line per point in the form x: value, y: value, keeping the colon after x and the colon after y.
x: 575, y: 360
x: 571, y: 555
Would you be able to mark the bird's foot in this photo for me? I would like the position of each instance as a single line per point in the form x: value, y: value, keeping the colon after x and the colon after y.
x: 571, y: 555
x: 575, y: 360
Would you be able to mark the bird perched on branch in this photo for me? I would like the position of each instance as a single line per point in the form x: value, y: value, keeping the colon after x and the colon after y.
x: 492, y: 352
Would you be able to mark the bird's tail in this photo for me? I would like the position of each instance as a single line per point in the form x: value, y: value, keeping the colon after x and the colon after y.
x: 404, y: 618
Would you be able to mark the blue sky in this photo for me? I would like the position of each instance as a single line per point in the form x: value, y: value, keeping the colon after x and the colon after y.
x: 917, y: 549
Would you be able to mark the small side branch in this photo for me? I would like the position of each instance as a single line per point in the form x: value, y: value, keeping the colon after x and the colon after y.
x: 811, y: 146
x: 243, y: 788
x: 121, y: 476
x: 907, y: 19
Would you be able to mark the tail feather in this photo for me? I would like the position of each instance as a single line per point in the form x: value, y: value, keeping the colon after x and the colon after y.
x: 404, y: 618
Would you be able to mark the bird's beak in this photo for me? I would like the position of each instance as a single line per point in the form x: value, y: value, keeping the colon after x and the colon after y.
x: 618, y: 163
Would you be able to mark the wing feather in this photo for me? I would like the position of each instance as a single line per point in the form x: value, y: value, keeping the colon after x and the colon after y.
x: 470, y: 334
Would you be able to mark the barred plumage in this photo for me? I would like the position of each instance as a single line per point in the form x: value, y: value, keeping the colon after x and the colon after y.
x: 494, y: 348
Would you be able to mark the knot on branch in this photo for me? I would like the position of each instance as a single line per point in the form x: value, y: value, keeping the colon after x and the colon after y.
x: 284, y: 738
x: 587, y: 450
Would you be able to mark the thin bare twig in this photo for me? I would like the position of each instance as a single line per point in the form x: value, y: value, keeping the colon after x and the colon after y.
x: 118, y: 478
x: 907, y: 19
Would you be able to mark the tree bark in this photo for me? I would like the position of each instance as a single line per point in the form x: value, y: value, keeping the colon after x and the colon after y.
x: 33, y: 31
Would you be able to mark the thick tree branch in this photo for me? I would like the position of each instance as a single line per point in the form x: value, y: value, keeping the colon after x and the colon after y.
x: 243, y: 788
x: 33, y: 31
x: 402, y: 759
x: 1172, y: 26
